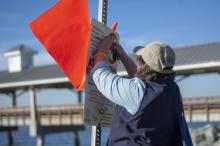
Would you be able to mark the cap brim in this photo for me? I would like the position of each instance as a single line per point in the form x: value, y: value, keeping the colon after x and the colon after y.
x: 140, y: 52
x: 136, y: 49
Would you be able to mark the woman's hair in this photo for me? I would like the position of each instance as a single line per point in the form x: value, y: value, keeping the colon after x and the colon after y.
x: 144, y: 72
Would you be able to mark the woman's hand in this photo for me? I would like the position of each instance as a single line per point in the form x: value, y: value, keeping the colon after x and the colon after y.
x: 106, y: 44
x: 120, y: 51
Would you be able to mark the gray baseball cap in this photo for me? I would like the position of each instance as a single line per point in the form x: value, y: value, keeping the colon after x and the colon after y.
x: 159, y: 56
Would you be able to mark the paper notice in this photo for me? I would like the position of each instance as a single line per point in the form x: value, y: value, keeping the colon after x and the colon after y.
x: 97, y: 108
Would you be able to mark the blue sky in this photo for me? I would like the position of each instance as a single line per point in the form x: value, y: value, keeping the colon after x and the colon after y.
x: 176, y: 22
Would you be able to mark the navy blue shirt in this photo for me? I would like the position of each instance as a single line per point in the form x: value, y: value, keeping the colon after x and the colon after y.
x: 154, y: 122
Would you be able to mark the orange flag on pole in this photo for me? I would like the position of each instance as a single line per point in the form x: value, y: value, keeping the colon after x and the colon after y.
x: 64, y: 31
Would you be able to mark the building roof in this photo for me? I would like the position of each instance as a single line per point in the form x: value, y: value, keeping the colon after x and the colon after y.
x: 198, y: 54
x: 198, y: 58
x: 40, y: 75
x: 193, y: 59
x: 21, y: 47
x: 189, y: 60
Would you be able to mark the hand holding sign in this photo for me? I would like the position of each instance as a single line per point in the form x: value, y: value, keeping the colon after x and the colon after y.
x: 106, y: 44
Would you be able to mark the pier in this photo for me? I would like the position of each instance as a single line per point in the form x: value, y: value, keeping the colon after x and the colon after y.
x: 203, y: 109
x: 197, y: 109
x: 50, y: 119
x: 41, y: 120
x: 60, y: 115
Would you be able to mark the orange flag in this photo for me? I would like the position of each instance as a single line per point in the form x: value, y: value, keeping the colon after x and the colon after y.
x: 64, y: 31
x: 114, y: 26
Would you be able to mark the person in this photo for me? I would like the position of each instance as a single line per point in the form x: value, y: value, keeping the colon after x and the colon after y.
x: 146, y: 103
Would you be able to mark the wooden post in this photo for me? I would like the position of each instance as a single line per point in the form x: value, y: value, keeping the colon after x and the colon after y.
x: 80, y: 96
x: 33, y: 112
x: 14, y: 103
x: 190, y: 113
x: 10, y: 138
x: 76, y: 138
x: 207, y: 112
x: 10, y: 131
x: 40, y: 140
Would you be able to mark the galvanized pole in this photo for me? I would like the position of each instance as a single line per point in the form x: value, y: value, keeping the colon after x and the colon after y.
x: 102, y: 17
x: 102, y: 11
x: 96, y: 135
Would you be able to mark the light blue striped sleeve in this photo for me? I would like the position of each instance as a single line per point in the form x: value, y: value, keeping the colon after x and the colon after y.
x: 127, y: 93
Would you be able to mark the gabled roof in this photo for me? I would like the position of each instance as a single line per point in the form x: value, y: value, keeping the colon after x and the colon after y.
x: 198, y: 54
x: 198, y: 58
x: 40, y: 75
x: 189, y: 60
x: 21, y: 47
x: 194, y: 59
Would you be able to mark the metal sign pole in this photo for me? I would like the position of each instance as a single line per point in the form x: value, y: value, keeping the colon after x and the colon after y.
x: 102, y: 11
x: 102, y: 17
x: 96, y: 135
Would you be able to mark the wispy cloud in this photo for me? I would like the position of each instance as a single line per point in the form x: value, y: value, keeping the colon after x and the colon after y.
x: 130, y: 42
x: 10, y: 15
x: 6, y: 44
x: 10, y: 30
x: 133, y: 41
x: 3, y: 62
x: 43, y: 58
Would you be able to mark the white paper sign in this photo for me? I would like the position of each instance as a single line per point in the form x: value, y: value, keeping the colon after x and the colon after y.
x: 97, y: 108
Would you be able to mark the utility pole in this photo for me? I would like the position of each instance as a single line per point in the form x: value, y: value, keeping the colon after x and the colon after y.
x: 102, y: 17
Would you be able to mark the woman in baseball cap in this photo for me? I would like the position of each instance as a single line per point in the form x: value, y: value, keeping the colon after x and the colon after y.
x: 147, y: 104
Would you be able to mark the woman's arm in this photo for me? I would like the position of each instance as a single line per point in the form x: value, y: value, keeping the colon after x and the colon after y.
x: 125, y: 92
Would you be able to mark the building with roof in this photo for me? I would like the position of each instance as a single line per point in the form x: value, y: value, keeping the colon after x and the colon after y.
x: 19, y: 58
x: 21, y: 73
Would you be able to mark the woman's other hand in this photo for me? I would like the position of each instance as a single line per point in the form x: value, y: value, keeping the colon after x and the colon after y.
x: 119, y: 49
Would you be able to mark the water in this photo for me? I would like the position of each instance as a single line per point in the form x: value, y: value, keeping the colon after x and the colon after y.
x: 22, y: 138
x: 194, y: 125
